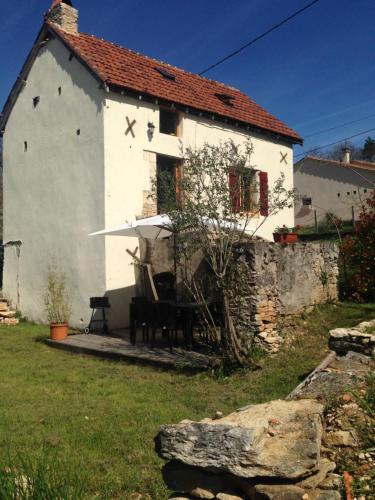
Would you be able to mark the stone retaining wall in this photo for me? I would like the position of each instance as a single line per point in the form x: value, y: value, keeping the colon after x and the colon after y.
x: 285, y: 281
x: 281, y: 282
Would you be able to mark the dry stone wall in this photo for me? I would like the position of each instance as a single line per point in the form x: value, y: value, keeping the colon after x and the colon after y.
x: 283, y: 282
x: 273, y: 284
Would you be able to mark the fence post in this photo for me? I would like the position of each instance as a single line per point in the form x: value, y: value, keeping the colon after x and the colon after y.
x: 316, y: 221
x: 353, y: 218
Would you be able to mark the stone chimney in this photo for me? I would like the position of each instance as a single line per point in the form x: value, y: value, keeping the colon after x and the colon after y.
x: 345, y: 158
x: 64, y: 15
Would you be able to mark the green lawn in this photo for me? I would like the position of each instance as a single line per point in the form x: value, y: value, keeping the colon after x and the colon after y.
x: 102, y: 415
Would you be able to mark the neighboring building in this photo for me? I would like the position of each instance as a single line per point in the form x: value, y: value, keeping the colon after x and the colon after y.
x: 329, y: 186
x: 85, y: 128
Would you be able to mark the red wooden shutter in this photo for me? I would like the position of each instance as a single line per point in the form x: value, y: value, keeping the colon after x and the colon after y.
x: 234, y: 190
x: 263, y: 193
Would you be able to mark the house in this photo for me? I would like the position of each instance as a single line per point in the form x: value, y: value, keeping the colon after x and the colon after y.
x: 329, y: 186
x: 86, y: 126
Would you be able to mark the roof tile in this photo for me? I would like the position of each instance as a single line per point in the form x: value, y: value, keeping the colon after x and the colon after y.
x: 129, y: 70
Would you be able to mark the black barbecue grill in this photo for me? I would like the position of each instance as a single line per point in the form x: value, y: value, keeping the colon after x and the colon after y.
x: 98, y: 304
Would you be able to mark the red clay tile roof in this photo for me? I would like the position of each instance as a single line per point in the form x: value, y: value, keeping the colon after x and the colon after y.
x: 129, y: 70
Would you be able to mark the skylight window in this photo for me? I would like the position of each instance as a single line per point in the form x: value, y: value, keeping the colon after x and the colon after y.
x: 166, y: 74
x: 225, y: 99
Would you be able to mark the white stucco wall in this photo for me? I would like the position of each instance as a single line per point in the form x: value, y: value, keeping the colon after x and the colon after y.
x: 332, y: 188
x: 53, y: 193
x: 128, y: 166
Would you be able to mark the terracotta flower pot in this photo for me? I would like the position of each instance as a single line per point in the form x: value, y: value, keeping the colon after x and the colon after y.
x: 59, y: 331
x: 285, y: 237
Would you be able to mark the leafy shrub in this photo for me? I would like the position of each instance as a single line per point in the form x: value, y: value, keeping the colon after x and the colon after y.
x: 357, y: 258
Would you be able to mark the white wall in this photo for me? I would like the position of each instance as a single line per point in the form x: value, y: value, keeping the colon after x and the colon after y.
x: 332, y: 188
x: 128, y: 168
x: 53, y: 193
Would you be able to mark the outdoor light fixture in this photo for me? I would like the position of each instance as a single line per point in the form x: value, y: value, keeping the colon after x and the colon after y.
x: 151, y: 130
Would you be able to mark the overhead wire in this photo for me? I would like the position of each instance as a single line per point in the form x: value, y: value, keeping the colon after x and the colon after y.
x: 259, y: 37
x: 339, y: 126
x: 304, y: 153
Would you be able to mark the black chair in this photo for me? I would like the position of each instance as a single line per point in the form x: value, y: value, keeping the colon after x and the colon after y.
x: 164, y: 317
x: 165, y: 285
x: 98, y: 304
x: 140, y: 316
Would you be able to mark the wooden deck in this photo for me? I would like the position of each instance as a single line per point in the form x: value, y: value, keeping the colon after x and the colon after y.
x: 120, y: 348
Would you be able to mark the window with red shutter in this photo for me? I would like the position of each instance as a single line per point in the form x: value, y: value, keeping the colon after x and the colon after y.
x: 263, y: 193
x: 234, y: 190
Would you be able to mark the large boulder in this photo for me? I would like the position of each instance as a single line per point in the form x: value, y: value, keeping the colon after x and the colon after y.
x: 278, y: 439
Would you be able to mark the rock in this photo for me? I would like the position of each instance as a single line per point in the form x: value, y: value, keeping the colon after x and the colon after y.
x: 324, y: 467
x: 8, y: 314
x: 324, y: 495
x: 331, y: 482
x: 10, y: 321
x: 177, y: 496
x: 339, y: 438
x: 240, y: 443
x: 278, y: 492
x: 228, y: 496
x: 202, y: 493
x: 179, y: 477
x: 339, y: 333
x: 3, y: 306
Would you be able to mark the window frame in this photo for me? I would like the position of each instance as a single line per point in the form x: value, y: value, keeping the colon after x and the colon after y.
x: 178, y: 120
x: 177, y: 174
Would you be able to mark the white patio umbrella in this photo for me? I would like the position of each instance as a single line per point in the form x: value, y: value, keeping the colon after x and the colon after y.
x: 160, y: 226
x: 157, y: 227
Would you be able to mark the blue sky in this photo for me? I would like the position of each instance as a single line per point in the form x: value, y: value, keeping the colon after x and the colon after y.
x: 314, y: 73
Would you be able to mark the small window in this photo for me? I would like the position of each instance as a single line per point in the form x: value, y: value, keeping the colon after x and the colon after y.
x: 59, y: 90
x: 306, y: 201
x: 354, y: 192
x: 225, y: 99
x: 348, y: 193
x: 36, y: 101
x: 166, y: 74
x: 25, y: 146
x: 338, y: 195
x: 168, y: 122
x: 365, y: 190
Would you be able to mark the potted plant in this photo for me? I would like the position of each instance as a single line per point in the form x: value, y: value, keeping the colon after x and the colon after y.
x: 57, y: 304
x: 285, y: 234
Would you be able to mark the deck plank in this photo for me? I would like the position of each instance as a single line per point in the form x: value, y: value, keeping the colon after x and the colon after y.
x: 122, y: 349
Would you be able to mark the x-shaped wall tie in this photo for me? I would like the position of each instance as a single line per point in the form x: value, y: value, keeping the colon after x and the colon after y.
x: 130, y: 127
x: 284, y: 158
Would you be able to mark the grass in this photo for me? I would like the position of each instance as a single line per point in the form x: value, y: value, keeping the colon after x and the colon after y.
x: 101, y: 416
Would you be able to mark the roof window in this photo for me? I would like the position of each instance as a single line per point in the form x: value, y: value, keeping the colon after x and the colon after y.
x: 225, y: 99
x: 166, y: 74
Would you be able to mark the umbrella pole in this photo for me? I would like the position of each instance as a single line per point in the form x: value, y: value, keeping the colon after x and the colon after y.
x: 175, y: 260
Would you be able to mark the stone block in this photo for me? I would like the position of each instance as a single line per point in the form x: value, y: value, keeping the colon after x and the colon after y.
x: 323, y: 469
x: 278, y: 492
x: 240, y: 444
